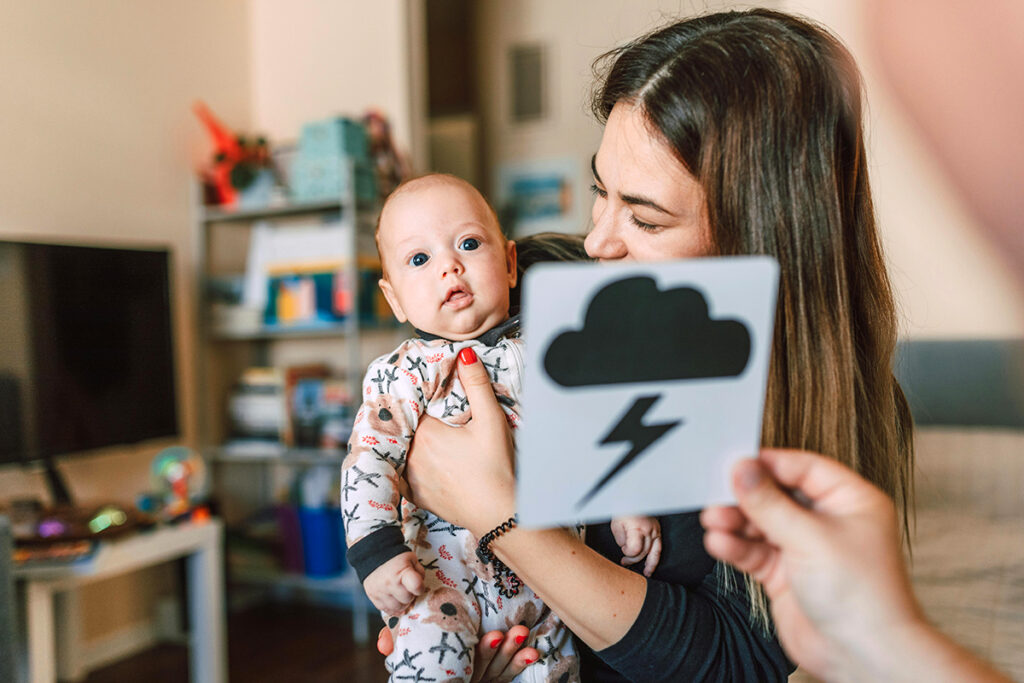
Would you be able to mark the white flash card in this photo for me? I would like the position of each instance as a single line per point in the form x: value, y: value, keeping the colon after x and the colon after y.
x: 644, y: 384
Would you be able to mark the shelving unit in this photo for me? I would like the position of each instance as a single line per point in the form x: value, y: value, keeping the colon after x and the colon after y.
x: 222, y: 237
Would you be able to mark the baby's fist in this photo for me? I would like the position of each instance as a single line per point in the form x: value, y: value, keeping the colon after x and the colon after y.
x: 638, y: 537
x: 394, y: 585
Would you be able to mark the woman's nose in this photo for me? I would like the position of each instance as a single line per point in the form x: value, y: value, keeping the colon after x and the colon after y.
x: 603, y: 241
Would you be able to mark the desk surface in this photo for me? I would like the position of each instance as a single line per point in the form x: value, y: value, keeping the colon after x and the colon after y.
x: 128, y: 553
x: 47, y: 589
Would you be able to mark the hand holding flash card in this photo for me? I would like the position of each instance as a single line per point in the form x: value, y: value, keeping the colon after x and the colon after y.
x: 644, y: 384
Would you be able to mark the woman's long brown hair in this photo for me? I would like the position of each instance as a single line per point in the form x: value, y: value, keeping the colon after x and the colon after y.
x: 765, y: 110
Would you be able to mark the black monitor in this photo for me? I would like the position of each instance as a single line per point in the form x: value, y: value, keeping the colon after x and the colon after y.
x: 86, y: 350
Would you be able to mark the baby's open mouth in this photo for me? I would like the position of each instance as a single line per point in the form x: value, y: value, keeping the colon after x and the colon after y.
x: 457, y: 296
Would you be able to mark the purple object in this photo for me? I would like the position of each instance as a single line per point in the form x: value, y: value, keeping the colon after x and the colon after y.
x: 50, y: 528
x: 291, y: 538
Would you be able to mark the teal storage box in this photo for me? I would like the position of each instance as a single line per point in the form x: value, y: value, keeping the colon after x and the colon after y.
x: 328, y: 177
x: 334, y: 137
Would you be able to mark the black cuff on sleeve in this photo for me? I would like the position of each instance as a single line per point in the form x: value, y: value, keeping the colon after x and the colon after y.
x: 376, y: 548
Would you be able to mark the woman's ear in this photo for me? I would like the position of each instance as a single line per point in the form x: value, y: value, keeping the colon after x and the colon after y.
x: 389, y: 294
x: 511, y: 265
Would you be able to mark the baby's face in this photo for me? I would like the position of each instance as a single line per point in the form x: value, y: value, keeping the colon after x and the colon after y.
x: 448, y: 268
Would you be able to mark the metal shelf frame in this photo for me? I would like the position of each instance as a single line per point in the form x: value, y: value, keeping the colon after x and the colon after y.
x: 207, y: 219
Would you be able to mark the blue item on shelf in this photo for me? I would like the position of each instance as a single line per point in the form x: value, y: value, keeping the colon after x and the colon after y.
x: 323, y: 545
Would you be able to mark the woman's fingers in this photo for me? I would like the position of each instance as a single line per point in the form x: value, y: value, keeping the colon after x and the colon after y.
x: 486, y: 648
x: 769, y: 507
x: 731, y: 520
x: 722, y: 518
x: 385, y: 644
x: 477, y: 383
x: 522, y: 659
x: 756, y: 558
x: 821, y: 482
x: 498, y: 667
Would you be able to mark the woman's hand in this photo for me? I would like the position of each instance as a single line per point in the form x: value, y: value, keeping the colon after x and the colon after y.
x: 466, y: 474
x: 833, y: 569
x: 832, y: 572
x: 492, y: 664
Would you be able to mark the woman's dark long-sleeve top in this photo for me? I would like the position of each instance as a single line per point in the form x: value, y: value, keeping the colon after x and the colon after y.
x: 691, y: 627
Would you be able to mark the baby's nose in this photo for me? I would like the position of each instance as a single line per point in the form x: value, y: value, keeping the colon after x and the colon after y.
x: 452, y: 267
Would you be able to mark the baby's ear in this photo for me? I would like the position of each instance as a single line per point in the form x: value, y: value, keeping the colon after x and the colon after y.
x: 511, y: 263
x: 389, y: 294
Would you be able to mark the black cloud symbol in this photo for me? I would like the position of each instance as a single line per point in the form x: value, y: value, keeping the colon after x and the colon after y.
x: 634, y: 332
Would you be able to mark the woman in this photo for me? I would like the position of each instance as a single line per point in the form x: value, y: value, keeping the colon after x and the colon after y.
x: 732, y: 133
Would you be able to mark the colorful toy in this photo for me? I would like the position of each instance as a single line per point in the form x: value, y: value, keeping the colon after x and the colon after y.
x: 179, y: 479
x: 237, y: 162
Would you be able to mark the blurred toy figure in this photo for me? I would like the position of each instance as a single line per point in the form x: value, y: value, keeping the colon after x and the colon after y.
x: 390, y: 165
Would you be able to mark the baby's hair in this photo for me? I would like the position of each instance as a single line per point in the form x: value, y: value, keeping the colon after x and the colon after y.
x: 427, y: 180
x: 542, y: 248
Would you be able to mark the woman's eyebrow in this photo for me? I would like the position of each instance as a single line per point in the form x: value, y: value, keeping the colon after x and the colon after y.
x: 629, y: 198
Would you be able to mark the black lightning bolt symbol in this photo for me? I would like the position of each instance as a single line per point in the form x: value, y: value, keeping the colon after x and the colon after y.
x: 631, y: 429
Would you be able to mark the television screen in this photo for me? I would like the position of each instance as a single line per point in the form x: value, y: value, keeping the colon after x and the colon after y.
x: 86, y: 353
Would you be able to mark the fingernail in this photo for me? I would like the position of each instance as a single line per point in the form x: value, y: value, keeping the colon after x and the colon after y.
x: 520, y: 640
x: 749, y: 475
x: 495, y: 643
x: 467, y: 356
x: 529, y: 661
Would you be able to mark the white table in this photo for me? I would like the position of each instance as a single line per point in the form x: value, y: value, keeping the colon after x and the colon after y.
x: 50, y: 607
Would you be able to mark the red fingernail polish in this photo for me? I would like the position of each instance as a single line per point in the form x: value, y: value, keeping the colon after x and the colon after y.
x: 520, y: 640
x: 529, y: 661
x: 467, y: 356
x: 495, y: 643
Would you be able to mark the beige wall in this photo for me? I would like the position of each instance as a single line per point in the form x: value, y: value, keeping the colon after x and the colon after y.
x: 948, y: 279
x: 98, y: 145
x: 315, y: 58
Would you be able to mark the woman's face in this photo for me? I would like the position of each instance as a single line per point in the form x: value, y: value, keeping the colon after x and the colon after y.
x: 647, y: 206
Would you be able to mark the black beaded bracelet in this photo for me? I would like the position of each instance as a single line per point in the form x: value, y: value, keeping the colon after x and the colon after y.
x: 505, y: 580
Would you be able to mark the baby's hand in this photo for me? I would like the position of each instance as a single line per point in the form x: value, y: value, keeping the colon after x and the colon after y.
x: 638, y: 537
x: 394, y: 585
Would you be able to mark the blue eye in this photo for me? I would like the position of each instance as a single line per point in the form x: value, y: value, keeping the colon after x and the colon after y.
x: 418, y: 259
x: 469, y: 244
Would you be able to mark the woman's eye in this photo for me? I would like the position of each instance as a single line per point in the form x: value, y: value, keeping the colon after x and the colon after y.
x: 640, y: 224
x: 418, y: 259
x: 598, y: 191
x: 469, y: 244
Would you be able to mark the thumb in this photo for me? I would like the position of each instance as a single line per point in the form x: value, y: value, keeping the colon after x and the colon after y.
x: 477, y: 383
x: 412, y: 579
x: 782, y: 519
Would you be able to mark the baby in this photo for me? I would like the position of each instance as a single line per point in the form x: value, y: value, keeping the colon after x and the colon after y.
x: 448, y: 270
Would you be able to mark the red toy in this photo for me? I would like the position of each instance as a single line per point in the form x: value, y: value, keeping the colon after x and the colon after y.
x: 228, y: 152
